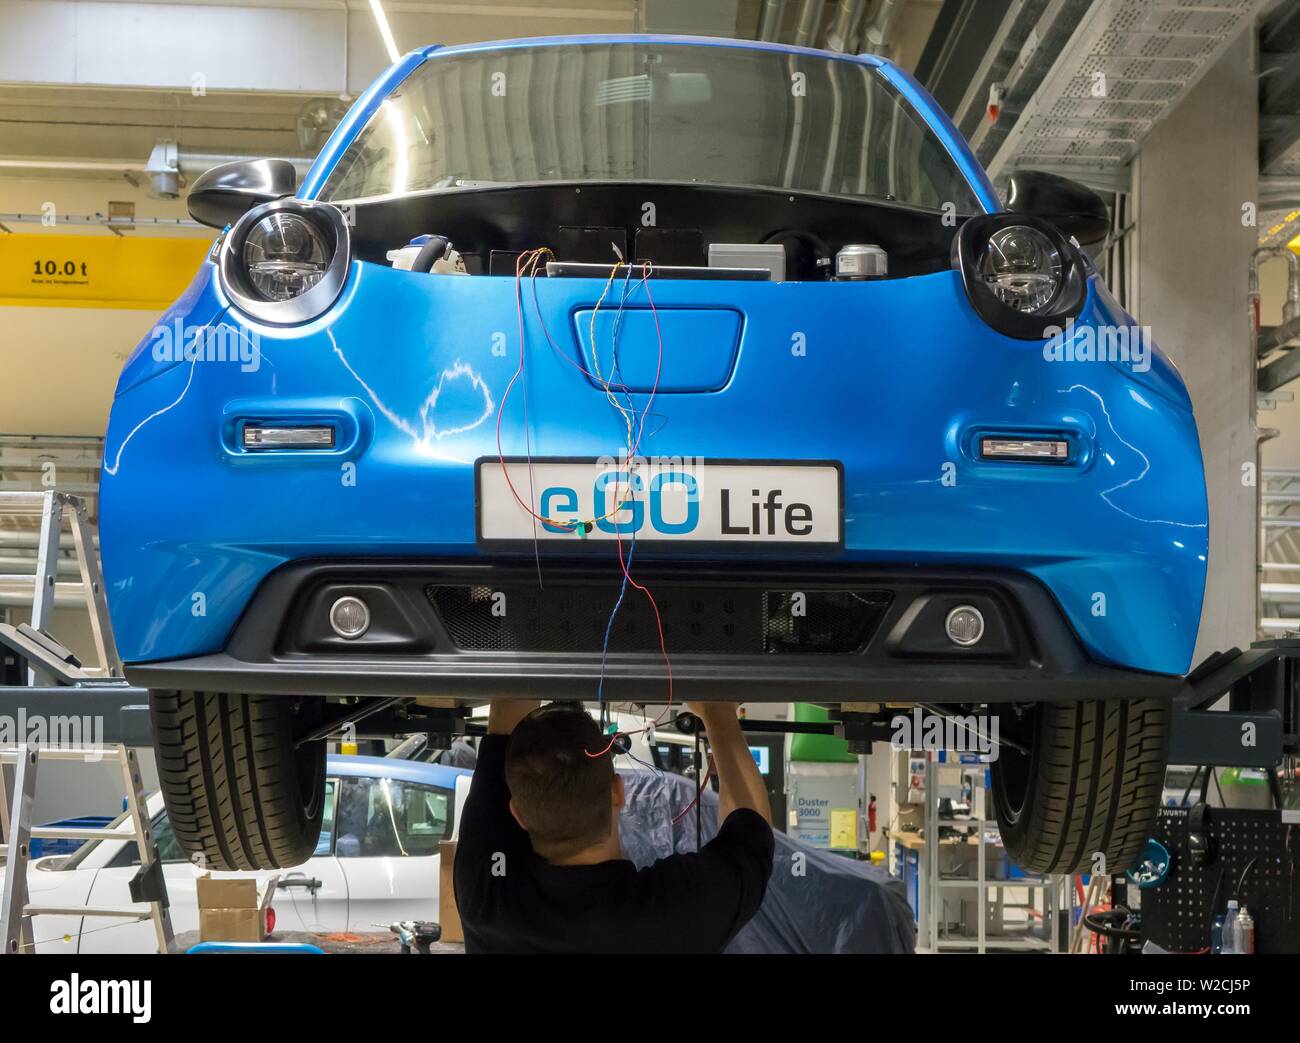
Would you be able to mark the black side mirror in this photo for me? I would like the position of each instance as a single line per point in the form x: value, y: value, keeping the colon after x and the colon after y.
x: 1074, y: 208
x: 220, y: 196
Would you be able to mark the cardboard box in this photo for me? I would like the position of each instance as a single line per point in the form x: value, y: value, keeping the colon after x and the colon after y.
x: 230, y: 909
x: 448, y: 916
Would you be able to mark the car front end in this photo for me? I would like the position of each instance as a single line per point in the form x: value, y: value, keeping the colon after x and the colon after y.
x: 587, y: 455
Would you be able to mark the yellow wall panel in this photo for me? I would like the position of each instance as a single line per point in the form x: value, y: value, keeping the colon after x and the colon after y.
x: 99, y: 271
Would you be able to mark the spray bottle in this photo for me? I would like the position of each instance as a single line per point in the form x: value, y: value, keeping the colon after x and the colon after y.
x: 1243, y: 944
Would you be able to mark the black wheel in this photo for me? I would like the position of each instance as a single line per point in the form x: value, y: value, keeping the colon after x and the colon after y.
x: 1089, y: 786
x: 240, y: 793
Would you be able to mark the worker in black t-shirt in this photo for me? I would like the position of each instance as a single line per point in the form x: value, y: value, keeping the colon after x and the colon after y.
x: 538, y: 865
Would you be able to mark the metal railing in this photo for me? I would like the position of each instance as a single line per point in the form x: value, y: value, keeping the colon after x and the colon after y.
x: 1279, y: 551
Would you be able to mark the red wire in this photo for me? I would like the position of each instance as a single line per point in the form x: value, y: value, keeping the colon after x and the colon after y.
x: 520, y: 262
x: 618, y: 534
x: 696, y: 799
x: 523, y: 261
x: 546, y: 332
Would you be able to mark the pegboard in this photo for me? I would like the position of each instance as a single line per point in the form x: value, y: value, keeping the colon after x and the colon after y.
x: 1179, y: 913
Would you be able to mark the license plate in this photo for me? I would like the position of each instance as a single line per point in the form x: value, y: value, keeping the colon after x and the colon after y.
x: 684, y: 500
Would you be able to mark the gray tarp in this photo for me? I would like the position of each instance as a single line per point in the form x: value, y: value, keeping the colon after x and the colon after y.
x: 836, y: 905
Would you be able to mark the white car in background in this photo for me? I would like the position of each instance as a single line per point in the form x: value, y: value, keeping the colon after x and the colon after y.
x: 377, y: 861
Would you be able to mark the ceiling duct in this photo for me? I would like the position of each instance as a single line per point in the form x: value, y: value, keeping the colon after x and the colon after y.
x: 317, y: 120
x: 163, y: 170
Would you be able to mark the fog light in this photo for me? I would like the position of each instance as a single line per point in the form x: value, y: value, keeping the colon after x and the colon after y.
x: 349, y: 617
x: 965, y: 625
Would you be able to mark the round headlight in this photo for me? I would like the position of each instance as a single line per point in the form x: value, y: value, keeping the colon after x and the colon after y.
x: 286, y: 256
x: 285, y: 262
x: 1022, y: 267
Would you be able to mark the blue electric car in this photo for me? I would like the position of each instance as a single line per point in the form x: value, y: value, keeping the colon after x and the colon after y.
x: 640, y: 368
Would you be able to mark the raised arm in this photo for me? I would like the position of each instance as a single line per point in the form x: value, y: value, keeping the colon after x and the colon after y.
x: 739, y: 783
x: 486, y: 825
x: 504, y: 714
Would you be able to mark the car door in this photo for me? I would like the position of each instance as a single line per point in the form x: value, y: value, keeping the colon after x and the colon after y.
x: 388, y: 836
x: 312, y: 897
x: 47, y: 885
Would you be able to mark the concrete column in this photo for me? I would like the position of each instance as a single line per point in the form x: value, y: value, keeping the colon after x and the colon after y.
x: 1192, y: 175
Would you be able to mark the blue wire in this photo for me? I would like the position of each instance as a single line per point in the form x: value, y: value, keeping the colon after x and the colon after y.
x: 609, y: 626
x: 654, y: 768
x: 622, y: 590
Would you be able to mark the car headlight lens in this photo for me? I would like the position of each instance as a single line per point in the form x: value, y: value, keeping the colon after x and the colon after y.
x: 286, y: 256
x: 1022, y: 267
x: 285, y: 262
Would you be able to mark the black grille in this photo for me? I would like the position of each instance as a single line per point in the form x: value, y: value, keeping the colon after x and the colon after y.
x: 737, y: 620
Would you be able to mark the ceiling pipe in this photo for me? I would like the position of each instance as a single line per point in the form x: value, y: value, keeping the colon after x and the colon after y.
x: 845, y: 25
x: 879, y: 37
x: 194, y: 163
x: 107, y: 166
x: 191, y: 164
x: 770, y: 18
x: 1279, y: 192
x: 810, y: 17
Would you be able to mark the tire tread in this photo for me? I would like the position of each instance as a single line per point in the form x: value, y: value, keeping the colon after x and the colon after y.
x: 1094, y: 787
x: 232, y: 792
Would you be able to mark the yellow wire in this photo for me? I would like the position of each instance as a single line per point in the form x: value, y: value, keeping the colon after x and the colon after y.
x: 533, y: 258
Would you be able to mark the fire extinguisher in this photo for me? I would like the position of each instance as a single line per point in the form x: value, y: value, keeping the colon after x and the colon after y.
x: 871, y: 815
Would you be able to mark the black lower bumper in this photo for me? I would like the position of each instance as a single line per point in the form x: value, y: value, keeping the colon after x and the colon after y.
x: 832, y: 634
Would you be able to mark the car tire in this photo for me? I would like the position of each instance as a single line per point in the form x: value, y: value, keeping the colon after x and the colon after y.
x: 240, y: 792
x: 1090, y: 784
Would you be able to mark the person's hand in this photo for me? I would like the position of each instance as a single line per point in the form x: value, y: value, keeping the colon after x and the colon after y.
x: 713, y: 711
x: 739, y: 783
x: 504, y: 714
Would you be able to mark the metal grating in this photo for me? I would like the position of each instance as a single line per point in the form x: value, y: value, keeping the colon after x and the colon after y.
x: 1150, y: 53
x: 572, y: 618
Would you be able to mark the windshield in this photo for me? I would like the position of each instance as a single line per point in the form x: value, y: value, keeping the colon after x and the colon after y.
x: 653, y: 112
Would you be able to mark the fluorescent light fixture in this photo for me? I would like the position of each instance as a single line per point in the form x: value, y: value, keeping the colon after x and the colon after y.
x: 1024, y: 448
x: 288, y: 437
x: 381, y: 20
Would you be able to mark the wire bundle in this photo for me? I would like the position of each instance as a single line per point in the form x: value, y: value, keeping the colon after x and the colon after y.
x: 633, y: 420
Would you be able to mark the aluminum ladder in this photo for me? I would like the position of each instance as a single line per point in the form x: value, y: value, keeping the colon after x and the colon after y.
x: 51, y: 507
x: 148, y: 885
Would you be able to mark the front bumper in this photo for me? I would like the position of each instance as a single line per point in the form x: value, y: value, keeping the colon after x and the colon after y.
x: 469, y: 632
x: 903, y: 379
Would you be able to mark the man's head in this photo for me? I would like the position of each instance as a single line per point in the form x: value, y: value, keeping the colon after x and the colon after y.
x: 566, y: 799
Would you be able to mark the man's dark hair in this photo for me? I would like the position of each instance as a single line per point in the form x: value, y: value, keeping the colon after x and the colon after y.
x: 561, y: 792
